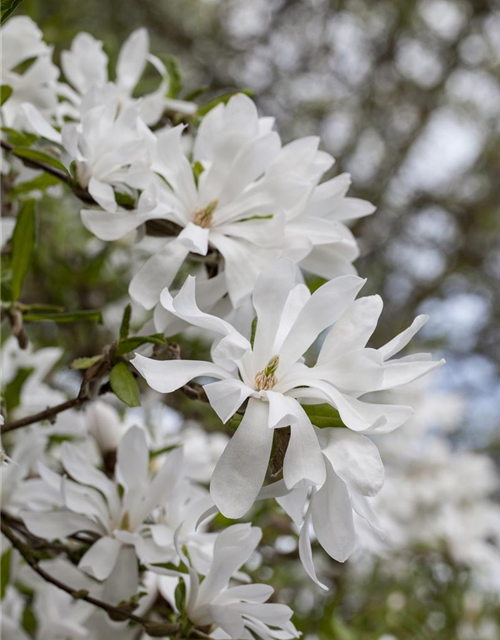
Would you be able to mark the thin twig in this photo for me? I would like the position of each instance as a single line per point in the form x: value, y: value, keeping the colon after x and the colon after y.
x: 116, y: 613
x: 47, y: 414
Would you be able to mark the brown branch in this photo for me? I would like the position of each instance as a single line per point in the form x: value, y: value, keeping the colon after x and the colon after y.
x: 47, y: 414
x: 152, y: 627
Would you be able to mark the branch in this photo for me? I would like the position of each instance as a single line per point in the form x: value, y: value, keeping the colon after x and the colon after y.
x: 152, y: 627
x: 48, y: 414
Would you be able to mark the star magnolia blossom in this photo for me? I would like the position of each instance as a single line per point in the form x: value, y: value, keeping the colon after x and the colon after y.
x: 93, y: 503
x: 22, y: 41
x: 239, y: 612
x: 238, y: 194
x: 107, y: 140
x: 271, y: 374
x: 85, y: 66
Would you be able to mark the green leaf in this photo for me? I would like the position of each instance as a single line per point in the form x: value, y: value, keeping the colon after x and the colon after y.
x: 18, y: 138
x: 64, y: 317
x: 223, y: 99
x: 129, y: 344
x: 124, y: 385
x: 22, y: 245
x: 5, y: 93
x: 5, y: 572
x: 12, y: 393
x: 174, y: 75
x: 323, y: 415
x: 180, y: 596
x: 125, y: 325
x: 8, y: 6
x: 254, y: 330
x: 39, y: 156
x: 85, y: 363
x: 40, y: 183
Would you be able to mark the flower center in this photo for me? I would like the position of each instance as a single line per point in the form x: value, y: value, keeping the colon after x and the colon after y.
x: 265, y: 380
x: 203, y: 217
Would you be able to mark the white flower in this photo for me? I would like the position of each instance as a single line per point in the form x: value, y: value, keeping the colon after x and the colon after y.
x: 106, y: 141
x: 95, y: 505
x: 271, y: 374
x: 22, y: 40
x: 240, y: 612
x: 85, y: 66
x: 236, y: 205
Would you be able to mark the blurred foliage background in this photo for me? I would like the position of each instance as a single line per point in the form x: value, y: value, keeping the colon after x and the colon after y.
x: 406, y: 96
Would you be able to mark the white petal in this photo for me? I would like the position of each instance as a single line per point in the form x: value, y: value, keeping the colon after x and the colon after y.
x: 133, y: 459
x: 240, y: 472
x: 132, y: 59
x: 269, y: 297
x: 304, y: 464
x: 356, y: 460
x: 293, y: 504
x: 399, y: 372
x: 166, y: 376
x: 103, y: 194
x: 353, y: 329
x: 157, y: 273
x: 108, y: 226
x: 101, y: 558
x: 403, y: 338
x: 82, y: 470
x: 58, y: 524
x: 39, y: 124
x: 332, y: 517
x: 195, y: 238
x: 124, y: 579
x: 227, y: 396
x: 305, y: 551
x: 355, y: 372
x: 322, y: 309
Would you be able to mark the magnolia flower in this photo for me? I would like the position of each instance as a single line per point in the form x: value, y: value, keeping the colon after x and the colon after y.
x: 232, y: 198
x: 85, y: 66
x: 271, y: 374
x: 239, y: 612
x: 22, y: 40
x: 96, y: 505
x: 107, y: 140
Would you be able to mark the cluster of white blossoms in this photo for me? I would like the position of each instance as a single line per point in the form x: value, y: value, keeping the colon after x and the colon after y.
x: 248, y: 215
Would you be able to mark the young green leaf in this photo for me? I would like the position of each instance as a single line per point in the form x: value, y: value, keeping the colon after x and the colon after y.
x: 129, y: 344
x: 12, y: 392
x: 8, y: 6
x: 174, y: 75
x: 64, y: 317
x: 323, y: 415
x: 40, y: 183
x: 39, y: 156
x: 18, y: 138
x: 85, y: 363
x: 22, y: 245
x: 124, y: 385
x: 125, y: 325
x: 5, y: 93
x: 5, y: 563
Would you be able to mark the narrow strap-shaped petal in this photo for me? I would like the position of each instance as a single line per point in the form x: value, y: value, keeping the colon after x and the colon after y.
x: 166, y: 376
